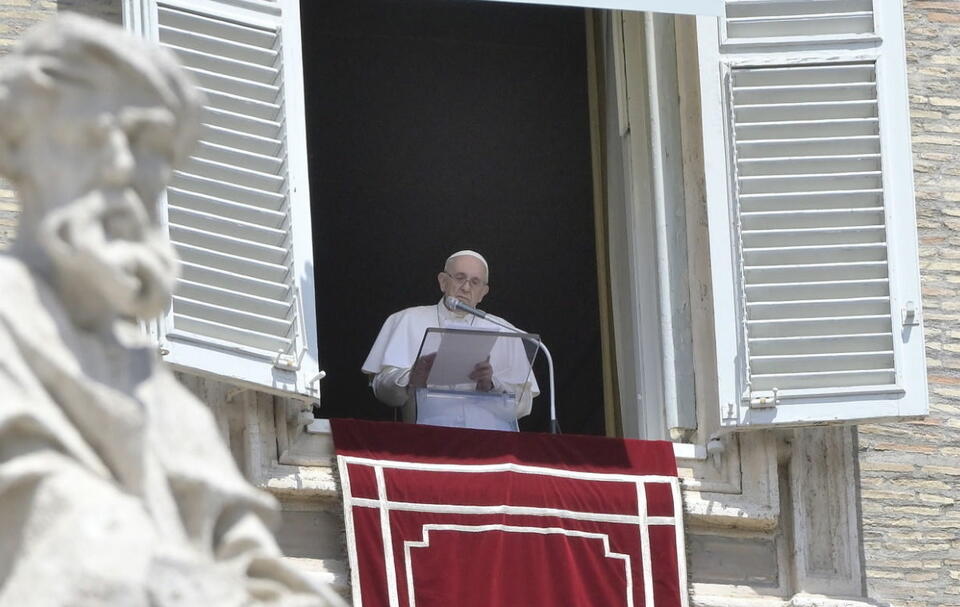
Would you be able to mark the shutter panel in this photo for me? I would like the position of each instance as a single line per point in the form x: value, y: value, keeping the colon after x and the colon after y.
x: 812, y: 221
x: 238, y: 211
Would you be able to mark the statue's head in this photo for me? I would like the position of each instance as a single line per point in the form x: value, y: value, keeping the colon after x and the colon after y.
x: 93, y: 122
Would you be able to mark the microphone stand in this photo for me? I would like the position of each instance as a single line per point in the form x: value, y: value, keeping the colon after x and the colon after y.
x: 455, y: 304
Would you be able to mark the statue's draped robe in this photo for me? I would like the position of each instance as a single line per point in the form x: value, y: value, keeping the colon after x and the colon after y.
x: 115, y: 486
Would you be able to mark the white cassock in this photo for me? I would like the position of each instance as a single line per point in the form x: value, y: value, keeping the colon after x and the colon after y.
x: 395, y: 351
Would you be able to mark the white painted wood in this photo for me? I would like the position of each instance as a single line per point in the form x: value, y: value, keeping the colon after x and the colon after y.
x: 635, y: 292
x: 812, y: 226
x: 676, y: 348
x: 687, y: 7
x: 238, y: 211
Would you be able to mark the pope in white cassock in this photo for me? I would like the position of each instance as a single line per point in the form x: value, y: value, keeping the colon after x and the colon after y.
x: 395, y: 373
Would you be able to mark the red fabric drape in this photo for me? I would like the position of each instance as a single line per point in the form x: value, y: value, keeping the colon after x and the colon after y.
x: 444, y: 517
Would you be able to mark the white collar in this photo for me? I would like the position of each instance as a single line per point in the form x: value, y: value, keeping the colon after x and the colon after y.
x: 446, y: 315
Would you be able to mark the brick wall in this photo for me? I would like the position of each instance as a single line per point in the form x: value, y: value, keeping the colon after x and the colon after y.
x: 16, y: 16
x: 911, y: 472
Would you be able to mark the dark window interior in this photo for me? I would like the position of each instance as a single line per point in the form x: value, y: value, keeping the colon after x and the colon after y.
x: 438, y: 125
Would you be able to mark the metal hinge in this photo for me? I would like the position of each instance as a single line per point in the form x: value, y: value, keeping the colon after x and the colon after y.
x: 760, y: 402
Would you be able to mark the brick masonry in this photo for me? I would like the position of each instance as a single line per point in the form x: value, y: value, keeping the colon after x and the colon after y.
x: 910, y: 473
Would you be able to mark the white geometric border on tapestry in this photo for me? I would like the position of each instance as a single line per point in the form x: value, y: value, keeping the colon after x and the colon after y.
x: 385, y: 506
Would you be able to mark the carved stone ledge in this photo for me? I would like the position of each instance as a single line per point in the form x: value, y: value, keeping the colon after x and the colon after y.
x: 301, y: 481
x: 816, y: 600
x: 798, y: 600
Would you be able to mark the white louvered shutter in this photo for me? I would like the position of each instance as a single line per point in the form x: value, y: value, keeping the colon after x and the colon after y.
x: 811, y: 210
x: 238, y: 212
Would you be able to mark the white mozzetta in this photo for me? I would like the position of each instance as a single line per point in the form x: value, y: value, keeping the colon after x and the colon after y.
x: 810, y: 204
x: 238, y: 212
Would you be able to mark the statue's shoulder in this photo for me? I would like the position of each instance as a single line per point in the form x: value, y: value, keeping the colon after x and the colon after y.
x: 12, y: 269
x: 18, y: 286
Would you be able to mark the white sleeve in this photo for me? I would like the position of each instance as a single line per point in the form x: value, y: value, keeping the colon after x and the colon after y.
x: 390, y: 386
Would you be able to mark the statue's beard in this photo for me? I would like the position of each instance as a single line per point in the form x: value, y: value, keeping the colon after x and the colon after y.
x: 109, y: 258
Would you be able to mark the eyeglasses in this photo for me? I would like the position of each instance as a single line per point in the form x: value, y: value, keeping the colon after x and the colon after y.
x: 461, y: 278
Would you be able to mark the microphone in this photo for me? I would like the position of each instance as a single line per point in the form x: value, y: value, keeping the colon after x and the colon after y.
x: 452, y: 303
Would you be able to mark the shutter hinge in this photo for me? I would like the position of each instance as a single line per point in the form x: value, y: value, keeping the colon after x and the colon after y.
x: 760, y: 402
x: 909, y: 315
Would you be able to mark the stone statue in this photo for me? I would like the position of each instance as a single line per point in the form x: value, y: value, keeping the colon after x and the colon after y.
x: 115, y: 487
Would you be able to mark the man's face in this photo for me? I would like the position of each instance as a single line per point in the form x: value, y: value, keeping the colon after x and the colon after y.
x: 466, y: 279
x: 98, y: 165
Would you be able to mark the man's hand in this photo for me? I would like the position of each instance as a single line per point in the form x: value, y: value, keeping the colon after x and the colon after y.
x: 421, y: 370
x: 483, y: 375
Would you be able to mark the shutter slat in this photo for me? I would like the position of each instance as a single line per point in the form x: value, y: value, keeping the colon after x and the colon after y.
x: 231, y: 317
x: 221, y: 47
x: 235, y: 175
x: 239, y: 140
x: 230, y: 245
x: 227, y: 191
x: 827, y: 344
x: 230, y: 334
x: 238, y: 87
x: 774, y: 148
x: 778, y: 256
x: 815, y: 272
x: 745, y: 8
x: 832, y: 379
x: 818, y: 182
x: 235, y: 107
x: 802, y: 327
x: 811, y: 201
x: 792, y: 20
x: 834, y: 289
x: 812, y: 74
x: 212, y: 63
x: 780, y: 112
x: 818, y: 308
x: 220, y: 28
x: 239, y: 158
x: 240, y: 122
x: 813, y: 25
x: 807, y: 129
x: 219, y: 224
x: 828, y: 235
x: 261, y: 270
x: 847, y: 163
x: 827, y: 218
x: 260, y: 306
x: 241, y: 283
x: 793, y: 94
x: 216, y: 206
x: 836, y: 361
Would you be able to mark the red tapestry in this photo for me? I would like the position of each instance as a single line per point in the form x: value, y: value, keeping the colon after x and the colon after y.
x: 445, y: 517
